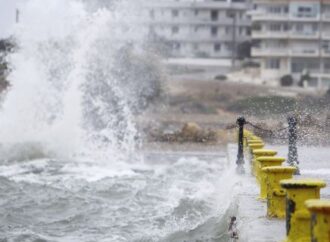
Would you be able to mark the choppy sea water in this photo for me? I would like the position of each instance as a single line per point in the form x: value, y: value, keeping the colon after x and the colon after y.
x: 168, y: 197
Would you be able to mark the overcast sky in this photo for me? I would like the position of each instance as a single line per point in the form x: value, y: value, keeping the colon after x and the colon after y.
x: 7, y: 16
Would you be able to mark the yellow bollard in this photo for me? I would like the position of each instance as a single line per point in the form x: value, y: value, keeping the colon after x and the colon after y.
x: 252, y: 147
x: 246, y: 135
x: 253, y: 137
x: 258, y: 153
x: 320, y: 219
x: 253, y: 141
x: 297, y: 215
x: 256, y: 146
x: 276, y: 195
x: 266, y: 161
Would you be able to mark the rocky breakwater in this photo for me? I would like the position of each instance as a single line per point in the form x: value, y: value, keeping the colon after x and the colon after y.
x: 190, y: 132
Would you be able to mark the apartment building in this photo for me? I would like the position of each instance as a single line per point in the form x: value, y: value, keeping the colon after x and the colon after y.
x: 204, y: 28
x: 292, y: 37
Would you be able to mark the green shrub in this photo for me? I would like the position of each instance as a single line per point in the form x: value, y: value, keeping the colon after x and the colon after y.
x: 250, y: 64
x: 263, y: 105
x: 286, y: 81
x: 220, y: 77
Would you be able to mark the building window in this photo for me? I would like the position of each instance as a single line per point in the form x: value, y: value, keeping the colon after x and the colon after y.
x: 315, y: 28
x: 327, y: 65
x: 214, y: 15
x: 275, y: 27
x: 196, y: 29
x: 299, y: 27
x: 176, y: 46
x: 275, y: 9
x: 152, y: 30
x: 175, y: 13
x: 229, y: 46
x: 152, y: 14
x: 230, y: 14
x: 303, y: 65
x: 228, y: 30
x: 248, y: 32
x: 297, y: 67
x: 217, y: 47
x: 304, y: 11
x: 196, y: 12
x: 326, y: 45
x: 195, y: 46
x: 273, y: 63
x: 240, y: 30
x: 175, y: 29
x: 214, y: 31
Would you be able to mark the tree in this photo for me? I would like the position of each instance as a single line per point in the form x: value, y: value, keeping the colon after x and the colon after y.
x: 244, y: 50
x: 6, y: 45
x: 286, y: 81
x: 305, y: 78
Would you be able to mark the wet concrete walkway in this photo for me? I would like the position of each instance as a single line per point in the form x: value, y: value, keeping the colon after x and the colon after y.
x: 253, y: 225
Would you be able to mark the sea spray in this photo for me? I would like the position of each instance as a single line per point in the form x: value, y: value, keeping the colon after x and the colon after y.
x: 73, y: 91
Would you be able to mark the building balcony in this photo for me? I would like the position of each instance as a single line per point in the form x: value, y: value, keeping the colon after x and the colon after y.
x: 326, y: 17
x: 304, y: 52
x: 195, y: 5
x: 304, y: 18
x: 325, y: 53
x: 285, y: 35
x: 271, y: 17
x: 266, y: 52
x: 190, y: 38
x: 304, y: 35
x: 269, y: 35
x: 286, y: 52
x: 258, y: 16
x: 199, y: 22
x: 326, y: 35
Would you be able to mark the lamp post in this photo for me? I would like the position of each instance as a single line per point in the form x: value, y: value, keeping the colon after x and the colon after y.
x: 293, y: 152
x: 240, y: 153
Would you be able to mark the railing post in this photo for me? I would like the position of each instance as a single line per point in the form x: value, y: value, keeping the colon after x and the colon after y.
x: 293, y: 152
x: 240, y: 153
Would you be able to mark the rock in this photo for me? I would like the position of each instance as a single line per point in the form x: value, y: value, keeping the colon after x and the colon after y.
x: 190, y: 132
x: 191, y: 129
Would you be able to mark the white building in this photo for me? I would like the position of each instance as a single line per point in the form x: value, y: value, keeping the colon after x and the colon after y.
x: 292, y: 37
x: 200, y: 28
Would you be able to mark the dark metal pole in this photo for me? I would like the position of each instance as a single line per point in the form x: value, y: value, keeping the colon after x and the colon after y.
x: 240, y: 154
x: 293, y: 151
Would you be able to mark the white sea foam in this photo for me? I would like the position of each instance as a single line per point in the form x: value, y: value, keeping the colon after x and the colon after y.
x: 65, y: 94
